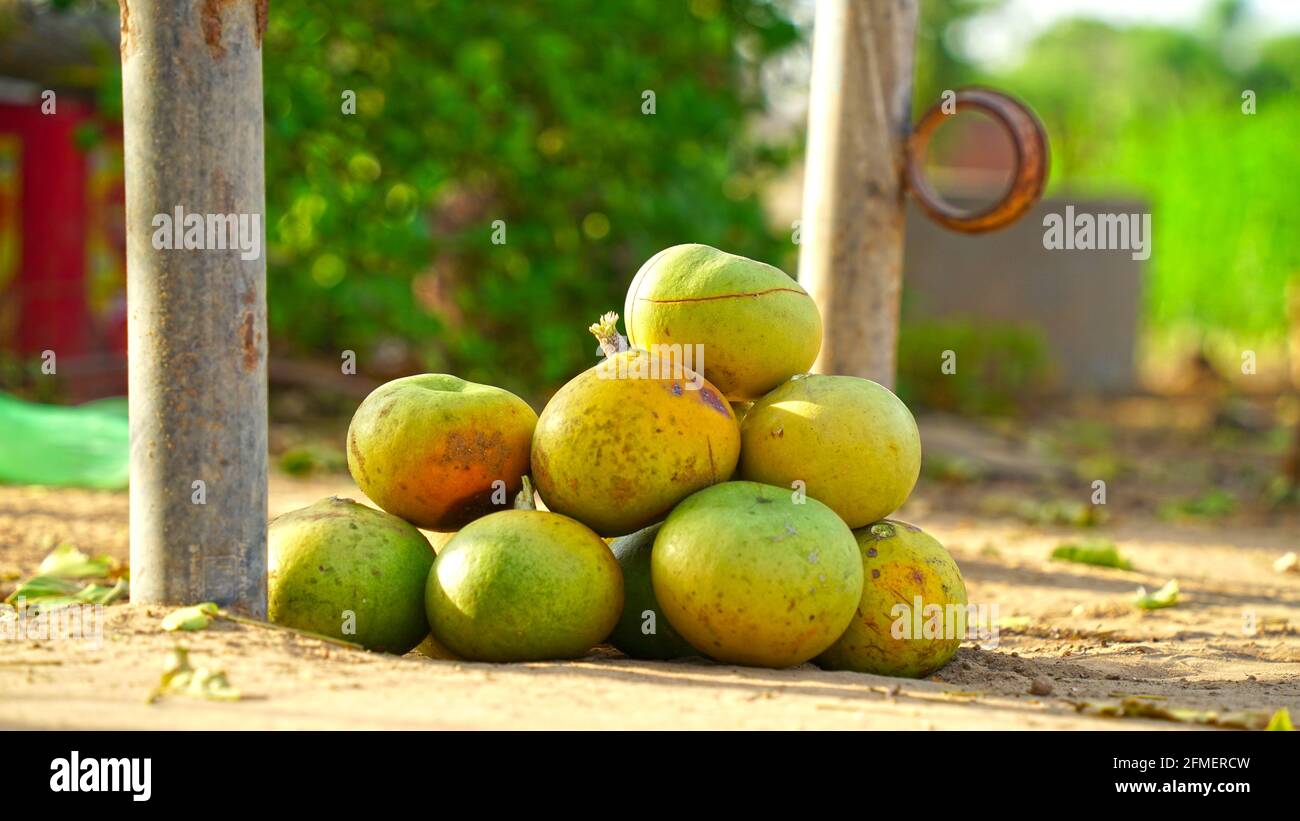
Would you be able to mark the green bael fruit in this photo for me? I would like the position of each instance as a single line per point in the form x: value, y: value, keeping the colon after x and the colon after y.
x: 756, y: 326
x: 618, y: 446
x: 349, y: 571
x: 889, y: 635
x: 643, y: 632
x: 752, y: 574
x: 852, y: 443
x: 431, y: 448
x: 523, y: 585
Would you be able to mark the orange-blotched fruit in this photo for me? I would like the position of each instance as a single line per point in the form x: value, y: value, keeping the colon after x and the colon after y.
x: 439, y: 451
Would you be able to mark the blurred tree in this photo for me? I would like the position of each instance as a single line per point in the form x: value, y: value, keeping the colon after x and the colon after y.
x: 1156, y: 112
x: 596, y: 133
x: 939, y: 64
x: 1216, y: 178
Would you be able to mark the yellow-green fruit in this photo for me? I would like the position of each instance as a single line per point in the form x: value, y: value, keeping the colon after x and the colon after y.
x: 618, y: 446
x: 912, y: 617
x: 523, y: 585
x: 349, y: 571
x: 433, y: 448
x: 752, y: 574
x: 756, y: 326
x: 852, y: 443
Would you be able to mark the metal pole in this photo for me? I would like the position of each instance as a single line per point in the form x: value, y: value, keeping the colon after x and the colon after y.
x: 192, y: 117
x: 851, y: 256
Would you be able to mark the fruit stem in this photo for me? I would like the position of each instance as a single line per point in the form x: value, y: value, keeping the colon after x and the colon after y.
x: 606, y: 333
x: 524, y: 498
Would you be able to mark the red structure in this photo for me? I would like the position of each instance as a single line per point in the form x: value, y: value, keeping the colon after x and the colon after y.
x: 62, y: 243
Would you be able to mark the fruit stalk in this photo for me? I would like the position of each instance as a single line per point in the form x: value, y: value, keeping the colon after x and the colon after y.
x: 606, y: 332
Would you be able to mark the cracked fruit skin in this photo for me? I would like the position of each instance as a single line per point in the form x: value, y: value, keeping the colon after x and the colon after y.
x: 616, y: 449
x: 901, y: 562
x: 757, y: 326
x: 853, y: 444
x: 428, y: 448
x: 337, y: 555
x: 633, y: 554
x: 523, y: 585
x: 749, y: 576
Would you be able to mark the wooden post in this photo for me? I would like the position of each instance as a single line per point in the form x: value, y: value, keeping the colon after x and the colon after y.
x: 192, y: 123
x: 851, y: 254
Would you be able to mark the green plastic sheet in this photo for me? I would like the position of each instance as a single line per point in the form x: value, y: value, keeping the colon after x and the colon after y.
x: 83, y: 446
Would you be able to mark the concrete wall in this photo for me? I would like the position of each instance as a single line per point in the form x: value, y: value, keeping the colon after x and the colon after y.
x: 1086, y: 302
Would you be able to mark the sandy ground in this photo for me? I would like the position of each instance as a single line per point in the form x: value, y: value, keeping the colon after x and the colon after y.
x: 1230, y: 645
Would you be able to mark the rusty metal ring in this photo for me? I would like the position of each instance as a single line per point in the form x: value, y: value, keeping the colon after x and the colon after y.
x: 1027, y: 138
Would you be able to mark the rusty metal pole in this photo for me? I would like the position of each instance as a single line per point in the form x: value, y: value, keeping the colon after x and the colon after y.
x: 192, y: 117
x: 851, y: 254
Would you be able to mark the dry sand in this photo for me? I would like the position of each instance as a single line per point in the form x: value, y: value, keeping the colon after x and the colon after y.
x: 1229, y: 645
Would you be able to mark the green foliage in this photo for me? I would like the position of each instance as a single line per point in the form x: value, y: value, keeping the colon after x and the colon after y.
x: 381, y: 223
x: 1213, y: 504
x: 308, y: 460
x: 1066, y: 512
x: 1000, y: 366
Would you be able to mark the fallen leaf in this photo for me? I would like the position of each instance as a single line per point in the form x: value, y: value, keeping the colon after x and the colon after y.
x: 50, y: 591
x: 1098, y: 552
x: 197, y: 617
x: 1281, y: 720
x: 67, y: 562
x: 104, y: 594
x: 1166, y: 596
x: 180, y: 679
x: 1135, y: 707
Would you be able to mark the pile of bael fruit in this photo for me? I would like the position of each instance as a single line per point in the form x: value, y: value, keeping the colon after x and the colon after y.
x: 747, y: 497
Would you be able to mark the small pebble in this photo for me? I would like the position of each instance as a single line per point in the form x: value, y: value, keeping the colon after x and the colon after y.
x: 1041, y: 687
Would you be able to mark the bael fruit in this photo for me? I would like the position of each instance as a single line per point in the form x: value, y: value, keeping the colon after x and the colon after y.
x: 756, y: 326
x: 750, y: 575
x: 430, y: 448
x: 642, y: 631
x: 912, y: 617
x: 349, y: 571
x: 853, y: 444
x: 624, y: 441
x: 523, y: 585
